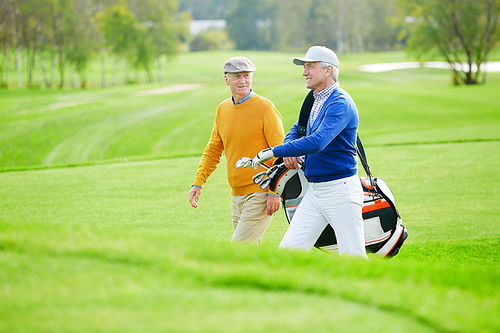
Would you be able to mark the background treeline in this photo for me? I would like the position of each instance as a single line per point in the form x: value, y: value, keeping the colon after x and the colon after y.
x: 347, y: 25
x: 44, y: 41
x: 49, y: 37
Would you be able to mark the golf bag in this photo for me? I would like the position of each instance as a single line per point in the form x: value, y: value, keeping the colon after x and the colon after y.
x: 383, y: 228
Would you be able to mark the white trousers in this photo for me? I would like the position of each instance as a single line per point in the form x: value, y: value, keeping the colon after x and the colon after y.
x: 338, y: 203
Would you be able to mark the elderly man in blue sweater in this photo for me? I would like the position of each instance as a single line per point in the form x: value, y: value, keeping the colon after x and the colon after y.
x: 334, y: 194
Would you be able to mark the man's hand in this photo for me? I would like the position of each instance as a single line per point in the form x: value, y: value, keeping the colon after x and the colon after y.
x: 262, y: 156
x: 292, y: 162
x: 194, y: 194
x: 273, y: 204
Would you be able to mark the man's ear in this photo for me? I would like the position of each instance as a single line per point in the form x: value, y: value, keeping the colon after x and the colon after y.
x: 329, y: 71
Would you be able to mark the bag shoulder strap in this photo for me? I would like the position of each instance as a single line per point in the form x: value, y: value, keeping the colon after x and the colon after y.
x: 305, y: 111
x: 362, y: 156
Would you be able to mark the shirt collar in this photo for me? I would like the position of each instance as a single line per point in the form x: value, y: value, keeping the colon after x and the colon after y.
x: 325, y: 93
x: 250, y: 94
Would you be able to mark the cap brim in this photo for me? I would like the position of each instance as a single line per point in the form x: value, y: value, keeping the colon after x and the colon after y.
x: 301, y: 61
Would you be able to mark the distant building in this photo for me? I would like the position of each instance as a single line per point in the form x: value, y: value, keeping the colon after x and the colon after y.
x: 197, y: 26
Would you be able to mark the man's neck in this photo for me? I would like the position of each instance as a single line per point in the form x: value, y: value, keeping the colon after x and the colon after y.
x: 324, y: 86
x: 238, y: 98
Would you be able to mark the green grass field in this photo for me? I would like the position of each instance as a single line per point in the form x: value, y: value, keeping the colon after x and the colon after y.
x: 97, y: 235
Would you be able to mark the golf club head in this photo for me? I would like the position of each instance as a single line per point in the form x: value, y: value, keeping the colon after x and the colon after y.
x: 258, y: 177
x: 272, y: 171
x: 265, y: 183
x: 243, y: 162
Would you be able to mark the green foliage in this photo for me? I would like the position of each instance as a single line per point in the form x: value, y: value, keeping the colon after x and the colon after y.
x: 207, y: 9
x: 463, y: 32
x: 242, y: 24
x: 120, y: 28
x: 211, y: 40
x: 72, y: 32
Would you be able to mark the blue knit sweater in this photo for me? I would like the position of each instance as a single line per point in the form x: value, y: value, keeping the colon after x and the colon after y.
x: 330, y: 145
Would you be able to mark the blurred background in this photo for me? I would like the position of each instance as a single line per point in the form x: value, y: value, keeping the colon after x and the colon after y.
x: 48, y: 43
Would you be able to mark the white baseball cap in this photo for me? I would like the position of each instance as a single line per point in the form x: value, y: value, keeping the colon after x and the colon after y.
x: 316, y: 54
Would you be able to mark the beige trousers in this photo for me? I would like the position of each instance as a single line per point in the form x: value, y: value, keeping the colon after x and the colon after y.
x: 250, y: 219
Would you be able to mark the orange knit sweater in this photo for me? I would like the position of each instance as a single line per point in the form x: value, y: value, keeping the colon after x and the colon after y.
x: 240, y: 130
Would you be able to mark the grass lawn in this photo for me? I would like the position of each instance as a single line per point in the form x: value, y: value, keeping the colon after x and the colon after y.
x: 97, y: 235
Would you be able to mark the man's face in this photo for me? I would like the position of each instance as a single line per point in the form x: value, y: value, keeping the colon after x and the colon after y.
x: 315, y: 75
x: 240, y: 83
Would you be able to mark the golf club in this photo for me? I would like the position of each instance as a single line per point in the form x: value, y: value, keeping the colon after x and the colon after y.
x: 246, y: 162
x: 242, y: 162
x: 271, y: 172
x: 257, y: 178
x: 265, y: 183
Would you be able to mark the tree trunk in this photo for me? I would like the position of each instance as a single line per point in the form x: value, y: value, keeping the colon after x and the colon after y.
x: 83, y: 82
x: 39, y: 41
x: 488, y: 38
x: 115, y: 71
x: 103, y: 68
x: 359, y: 38
x: 16, y: 47
x: 53, y: 69
x: 160, y: 69
x: 340, y: 38
x: 18, y: 68
x: 125, y: 71
x: 31, y: 67
x: 7, y: 63
x: 73, y: 78
x: 61, y: 67
x: 39, y: 75
x: 43, y: 67
x: 469, y: 75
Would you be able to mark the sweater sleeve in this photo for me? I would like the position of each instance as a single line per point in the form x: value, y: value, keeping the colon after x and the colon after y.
x: 273, y: 127
x: 210, y: 158
x: 292, y: 133
x: 331, y: 125
x: 273, y: 130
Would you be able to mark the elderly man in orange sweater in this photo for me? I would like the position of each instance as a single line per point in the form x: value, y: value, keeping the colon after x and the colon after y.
x: 244, y: 124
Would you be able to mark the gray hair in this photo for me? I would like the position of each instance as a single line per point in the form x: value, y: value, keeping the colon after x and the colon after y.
x: 335, y: 70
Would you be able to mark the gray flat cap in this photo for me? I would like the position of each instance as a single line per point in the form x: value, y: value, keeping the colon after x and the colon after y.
x: 316, y: 54
x: 238, y: 65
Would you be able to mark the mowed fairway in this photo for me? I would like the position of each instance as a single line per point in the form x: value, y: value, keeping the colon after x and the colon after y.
x: 97, y: 235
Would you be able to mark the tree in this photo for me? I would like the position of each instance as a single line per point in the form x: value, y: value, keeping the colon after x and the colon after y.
x: 13, y: 13
x: 82, y: 44
x: 121, y: 30
x: 160, y: 32
x: 211, y: 40
x: 461, y: 31
x: 5, y: 40
x: 242, y: 25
